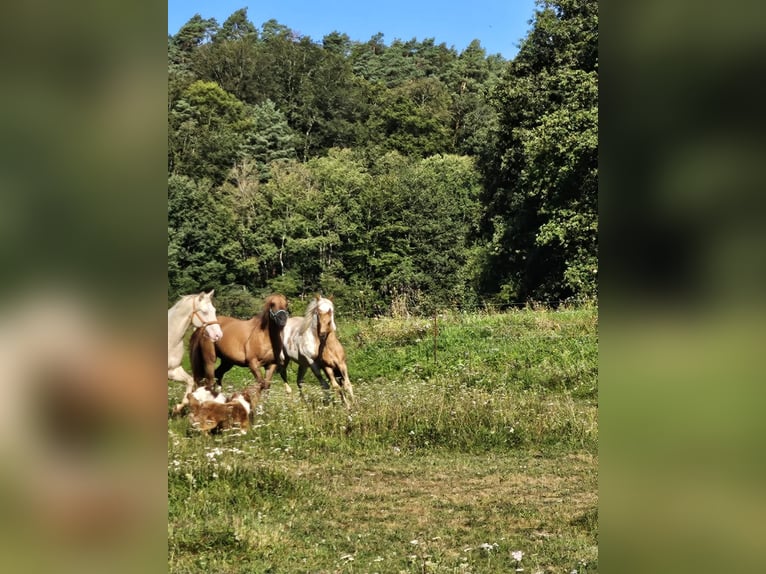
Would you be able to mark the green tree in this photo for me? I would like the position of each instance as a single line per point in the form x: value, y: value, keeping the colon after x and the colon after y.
x: 236, y: 28
x: 423, y: 216
x: 414, y: 118
x: 472, y: 76
x: 269, y: 139
x: 542, y: 175
x: 230, y: 59
x: 193, y: 34
x: 206, y: 132
x: 203, y: 251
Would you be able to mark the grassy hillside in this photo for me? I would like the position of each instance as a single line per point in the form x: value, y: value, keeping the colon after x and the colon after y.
x: 447, y: 464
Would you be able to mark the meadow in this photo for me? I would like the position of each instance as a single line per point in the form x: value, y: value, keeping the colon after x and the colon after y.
x: 472, y: 448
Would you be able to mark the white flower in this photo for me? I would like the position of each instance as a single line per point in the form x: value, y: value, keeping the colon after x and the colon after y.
x: 517, y: 555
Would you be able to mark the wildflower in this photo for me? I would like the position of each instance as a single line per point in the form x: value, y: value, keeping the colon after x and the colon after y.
x: 488, y: 547
x: 517, y: 555
x: 214, y: 453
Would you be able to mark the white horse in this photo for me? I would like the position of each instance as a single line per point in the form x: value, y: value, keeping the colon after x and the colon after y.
x: 311, y: 341
x: 194, y: 310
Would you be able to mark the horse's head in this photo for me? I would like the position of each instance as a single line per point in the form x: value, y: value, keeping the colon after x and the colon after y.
x: 276, y: 306
x: 203, y: 315
x: 325, y: 311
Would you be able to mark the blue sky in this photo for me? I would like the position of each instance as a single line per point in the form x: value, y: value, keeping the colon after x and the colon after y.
x: 500, y: 25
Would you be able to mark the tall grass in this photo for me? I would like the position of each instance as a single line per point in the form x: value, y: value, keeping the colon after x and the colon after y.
x: 503, y: 395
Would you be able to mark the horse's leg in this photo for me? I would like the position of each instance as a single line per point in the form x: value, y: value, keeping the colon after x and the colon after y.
x: 348, y: 390
x: 255, y: 368
x: 283, y: 373
x: 318, y: 374
x: 314, y: 366
x: 270, y: 374
x: 179, y: 374
x: 217, y: 374
x: 338, y: 389
x: 301, y: 374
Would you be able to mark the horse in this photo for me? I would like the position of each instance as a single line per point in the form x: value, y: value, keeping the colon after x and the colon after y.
x: 197, y: 310
x: 253, y: 343
x: 312, y: 342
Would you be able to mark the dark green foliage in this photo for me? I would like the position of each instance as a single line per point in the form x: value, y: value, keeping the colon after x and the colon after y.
x: 542, y: 175
x: 207, y: 132
x: 329, y: 166
x: 201, y: 250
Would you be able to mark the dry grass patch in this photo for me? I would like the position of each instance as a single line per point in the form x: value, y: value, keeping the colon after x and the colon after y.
x: 449, y: 508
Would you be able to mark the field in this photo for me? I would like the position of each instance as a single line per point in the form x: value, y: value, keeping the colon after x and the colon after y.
x: 453, y: 460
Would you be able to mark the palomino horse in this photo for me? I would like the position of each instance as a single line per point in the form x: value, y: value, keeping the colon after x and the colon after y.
x: 194, y: 310
x: 311, y: 341
x: 254, y: 343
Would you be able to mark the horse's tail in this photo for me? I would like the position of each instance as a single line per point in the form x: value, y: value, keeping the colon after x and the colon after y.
x: 196, y: 356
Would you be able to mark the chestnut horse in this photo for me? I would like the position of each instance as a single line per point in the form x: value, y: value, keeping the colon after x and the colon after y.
x: 254, y: 343
x: 313, y: 343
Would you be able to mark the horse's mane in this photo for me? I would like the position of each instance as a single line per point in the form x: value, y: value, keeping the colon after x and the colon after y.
x: 177, y: 305
x: 308, y: 317
x: 263, y: 316
x: 195, y: 355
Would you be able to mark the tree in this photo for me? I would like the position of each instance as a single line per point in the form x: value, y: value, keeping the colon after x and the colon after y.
x: 328, y: 164
x: 542, y: 175
x: 193, y: 34
x: 207, y: 132
x: 269, y: 139
x: 236, y: 28
x: 203, y: 251
x: 414, y: 118
x: 230, y: 59
x: 472, y: 77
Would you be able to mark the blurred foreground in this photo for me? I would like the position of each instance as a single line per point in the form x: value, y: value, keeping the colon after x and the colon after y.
x: 683, y: 277
x: 81, y: 427
x: 82, y: 238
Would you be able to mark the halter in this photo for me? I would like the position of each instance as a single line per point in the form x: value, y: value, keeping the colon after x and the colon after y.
x: 195, y: 314
x: 280, y: 313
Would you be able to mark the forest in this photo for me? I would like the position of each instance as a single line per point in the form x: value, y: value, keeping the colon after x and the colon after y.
x: 393, y: 176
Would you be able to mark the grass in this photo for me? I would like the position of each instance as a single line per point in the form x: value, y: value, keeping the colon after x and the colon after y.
x: 445, y: 465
